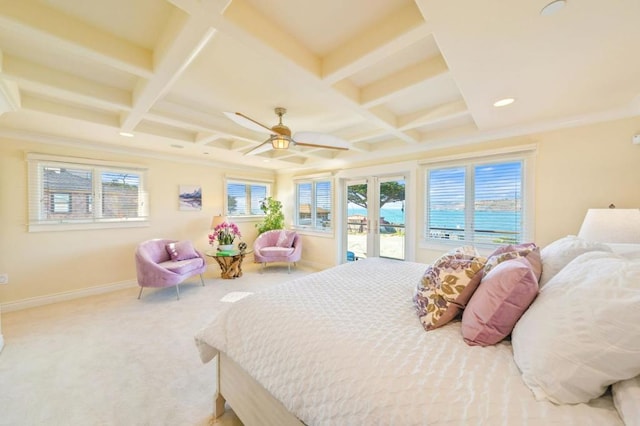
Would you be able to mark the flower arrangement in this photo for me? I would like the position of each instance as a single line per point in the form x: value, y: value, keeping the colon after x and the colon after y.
x: 224, y: 233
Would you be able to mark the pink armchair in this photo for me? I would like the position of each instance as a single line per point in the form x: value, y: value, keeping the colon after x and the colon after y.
x: 278, y: 245
x: 157, y: 267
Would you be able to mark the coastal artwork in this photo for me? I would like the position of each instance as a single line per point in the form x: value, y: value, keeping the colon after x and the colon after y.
x: 190, y: 197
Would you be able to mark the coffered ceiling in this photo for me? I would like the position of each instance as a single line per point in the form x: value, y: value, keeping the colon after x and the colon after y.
x: 390, y: 77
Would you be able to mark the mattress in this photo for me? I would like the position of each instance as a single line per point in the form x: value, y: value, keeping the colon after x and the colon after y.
x: 344, y: 346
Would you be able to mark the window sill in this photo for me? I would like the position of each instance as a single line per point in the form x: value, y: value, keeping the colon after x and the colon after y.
x: 313, y: 232
x: 54, y: 227
x: 445, y: 246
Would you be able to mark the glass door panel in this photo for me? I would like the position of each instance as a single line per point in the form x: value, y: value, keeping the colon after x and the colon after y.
x: 391, y: 214
x: 357, y: 220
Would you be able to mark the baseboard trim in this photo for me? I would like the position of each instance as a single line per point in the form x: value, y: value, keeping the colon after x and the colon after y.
x: 67, y: 295
x: 315, y: 266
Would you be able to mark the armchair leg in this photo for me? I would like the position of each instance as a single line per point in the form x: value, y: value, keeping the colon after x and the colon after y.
x: 178, y: 291
x: 202, y: 280
x: 289, y: 266
x: 140, y: 294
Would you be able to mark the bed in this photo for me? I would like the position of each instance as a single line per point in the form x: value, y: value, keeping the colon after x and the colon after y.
x: 344, y: 346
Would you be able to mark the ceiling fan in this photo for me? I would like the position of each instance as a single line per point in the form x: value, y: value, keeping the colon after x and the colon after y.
x: 281, y: 135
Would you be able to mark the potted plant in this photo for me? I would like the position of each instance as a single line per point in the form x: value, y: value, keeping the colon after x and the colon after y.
x: 224, y: 233
x: 273, y: 216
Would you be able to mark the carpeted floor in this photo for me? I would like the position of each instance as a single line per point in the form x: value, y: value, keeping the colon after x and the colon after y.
x: 116, y: 360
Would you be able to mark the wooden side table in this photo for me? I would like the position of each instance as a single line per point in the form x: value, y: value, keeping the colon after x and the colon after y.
x: 230, y: 262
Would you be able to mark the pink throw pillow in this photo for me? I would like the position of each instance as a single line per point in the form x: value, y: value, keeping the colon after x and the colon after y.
x: 529, y: 250
x: 285, y: 239
x: 182, y: 250
x: 504, y: 294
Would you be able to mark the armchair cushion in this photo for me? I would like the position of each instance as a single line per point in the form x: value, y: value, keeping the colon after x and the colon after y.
x: 183, y: 267
x: 276, y: 251
x: 181, y: 250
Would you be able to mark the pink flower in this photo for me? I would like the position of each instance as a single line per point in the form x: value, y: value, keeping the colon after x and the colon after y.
x: 224, y: 233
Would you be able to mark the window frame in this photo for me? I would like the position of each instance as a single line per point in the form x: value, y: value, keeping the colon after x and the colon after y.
x: 525, y: 154
x: 248, y: 183
x: 38, y: 213
x: 316, y: 225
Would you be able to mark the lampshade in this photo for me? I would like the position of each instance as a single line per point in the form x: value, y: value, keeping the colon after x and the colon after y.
x: 217, y: 220
x: 611, y: 226
x: 279, y: 142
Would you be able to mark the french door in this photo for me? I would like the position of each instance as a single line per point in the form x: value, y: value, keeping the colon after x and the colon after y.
x: 375, y: 217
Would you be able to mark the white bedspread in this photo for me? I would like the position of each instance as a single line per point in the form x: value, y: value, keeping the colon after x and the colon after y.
x: 345, y: 347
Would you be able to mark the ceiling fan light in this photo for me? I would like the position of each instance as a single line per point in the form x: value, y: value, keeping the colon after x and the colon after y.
x: 279, y: 142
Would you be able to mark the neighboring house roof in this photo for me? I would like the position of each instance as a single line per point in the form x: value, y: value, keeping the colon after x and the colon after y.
x: 64, y: 180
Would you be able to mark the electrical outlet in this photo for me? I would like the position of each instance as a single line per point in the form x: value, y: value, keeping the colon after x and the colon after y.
x: 4, y: 278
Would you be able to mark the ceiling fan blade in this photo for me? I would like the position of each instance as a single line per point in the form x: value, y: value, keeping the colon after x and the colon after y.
x: 263, y: 147
x: 247, y: 122
x: 320, y: 140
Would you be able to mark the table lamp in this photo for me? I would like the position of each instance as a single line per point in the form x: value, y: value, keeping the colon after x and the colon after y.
x: 217, y: 220
x: 619, y: 226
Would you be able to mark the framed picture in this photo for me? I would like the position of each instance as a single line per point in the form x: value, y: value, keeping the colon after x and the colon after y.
x: 190, y: 197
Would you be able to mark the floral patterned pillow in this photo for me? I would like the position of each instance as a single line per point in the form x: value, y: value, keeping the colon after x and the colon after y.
x: 529, y: 251
x: 447, y: 286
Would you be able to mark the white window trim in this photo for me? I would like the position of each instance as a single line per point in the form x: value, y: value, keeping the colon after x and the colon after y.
x: 35, y: 224
x: 526, y: 154
x: 312, y: 230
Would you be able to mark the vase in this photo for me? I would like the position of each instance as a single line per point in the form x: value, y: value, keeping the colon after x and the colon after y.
x: 225, y: 247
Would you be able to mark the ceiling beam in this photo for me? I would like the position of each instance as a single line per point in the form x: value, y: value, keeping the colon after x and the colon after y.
x: 433, y: 115
x: 400, y: 82
x: 185, y: 37
x: 57, y: 84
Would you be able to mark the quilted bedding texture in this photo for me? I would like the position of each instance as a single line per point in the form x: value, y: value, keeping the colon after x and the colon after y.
x: 344, y: 346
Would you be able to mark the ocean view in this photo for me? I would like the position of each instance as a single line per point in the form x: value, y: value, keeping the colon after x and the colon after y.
x: 492, y: 220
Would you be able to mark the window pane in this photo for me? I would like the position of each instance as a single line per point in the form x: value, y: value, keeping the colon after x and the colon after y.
x: 236, y: 199
x: 323, y: 205
x: 64, y: 193
x: 120, y: 194
x: 258, y: 194
x: 304, y: 204
x: 498, y: 203
x: 446, y: 204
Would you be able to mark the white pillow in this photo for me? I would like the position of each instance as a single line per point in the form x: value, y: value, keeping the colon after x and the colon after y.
x: 582, y: 333
x: 626, y: 398
x: 559, y: 253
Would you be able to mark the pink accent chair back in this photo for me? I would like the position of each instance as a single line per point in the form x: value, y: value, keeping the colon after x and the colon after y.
x: 278, y: 245
x: 155, y: 268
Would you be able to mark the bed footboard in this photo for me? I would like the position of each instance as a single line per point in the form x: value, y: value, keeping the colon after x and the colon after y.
x: 251, y: 402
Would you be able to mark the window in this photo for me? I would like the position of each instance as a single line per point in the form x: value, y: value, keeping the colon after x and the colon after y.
x: 314, y: 205
x: 60, y: 202
x: 72, y: 193
x: 480, y: 203
x: 245, y: 197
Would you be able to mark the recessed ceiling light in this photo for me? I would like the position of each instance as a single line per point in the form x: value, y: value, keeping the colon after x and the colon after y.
x: 503, y: 102
x: 553, y: 7
x: 127, y: 134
